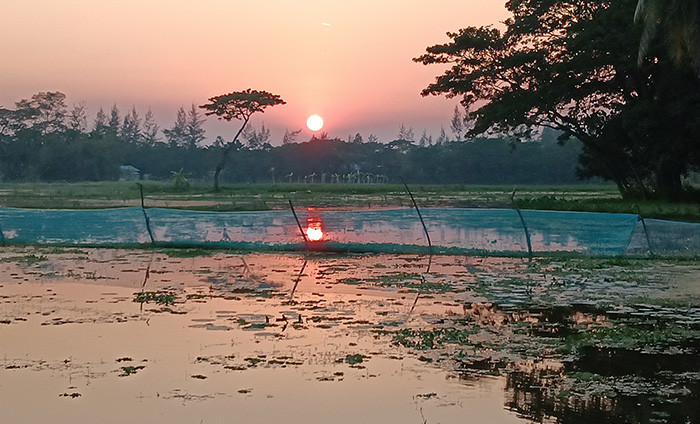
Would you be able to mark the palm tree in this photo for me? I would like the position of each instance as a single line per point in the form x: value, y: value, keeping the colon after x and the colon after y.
x: 677, y: 23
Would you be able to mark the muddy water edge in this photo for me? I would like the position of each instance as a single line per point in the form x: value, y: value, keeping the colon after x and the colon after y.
x: 111, y: 335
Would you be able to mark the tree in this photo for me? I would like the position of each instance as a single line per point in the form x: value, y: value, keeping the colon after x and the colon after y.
x: 677, y: 23
x: 44, y: 112
x: 194, y: 133
x: 238, y: 105
x: 101, y: 123
x: 256, y: 139
x: 113, y: 126
x: 177, y: 135
x: 7, y: 119
x: 131, y: 128
x: 290, y: 136
x: 424, y: 139
x: 77, y: 120
x: 442, y: 138
x: 219, y: 141
x: 570, y: 65
x: 405, y: 133
x: 150, y: 129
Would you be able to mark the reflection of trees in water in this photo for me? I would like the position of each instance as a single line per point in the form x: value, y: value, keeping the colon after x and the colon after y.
x: 605, y: 385
x: 537, y: 394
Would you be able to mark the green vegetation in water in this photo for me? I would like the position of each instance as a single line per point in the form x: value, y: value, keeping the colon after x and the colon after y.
x: 130, y: 370
x: 63, y: 251
x: 27, y: 260
x: 639, y: 336
x: 158, y: 297
x: 186, y: 252
x: 432, y: 339
x: 355, y: 359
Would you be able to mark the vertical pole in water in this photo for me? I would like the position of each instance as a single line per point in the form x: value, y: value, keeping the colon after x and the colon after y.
x: 425, y: 229
x: 522, y: 221
x: 145, y: 216
x: 646, y: 231
x: 2, y: 236
x: 430, y: 244
x: 303, y: 234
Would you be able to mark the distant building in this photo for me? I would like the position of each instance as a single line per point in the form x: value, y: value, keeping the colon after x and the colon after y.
x: 129, y: 173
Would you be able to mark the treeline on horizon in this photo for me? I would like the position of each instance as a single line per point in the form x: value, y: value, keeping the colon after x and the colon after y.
x: 41, y: 140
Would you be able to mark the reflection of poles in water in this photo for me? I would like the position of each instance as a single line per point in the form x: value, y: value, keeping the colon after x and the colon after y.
x: 296, y: 283
x: 522, y: 221
x: 422, y: 281
x: 246, y: 269
x: 143, y: 285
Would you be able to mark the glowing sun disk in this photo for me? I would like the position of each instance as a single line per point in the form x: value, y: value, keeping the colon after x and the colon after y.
x: 314, y: 123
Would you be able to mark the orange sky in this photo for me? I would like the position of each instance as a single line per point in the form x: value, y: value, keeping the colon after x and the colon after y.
x: 349, y: 62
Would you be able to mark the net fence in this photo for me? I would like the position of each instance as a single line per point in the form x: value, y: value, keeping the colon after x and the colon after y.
x: 459, y: 231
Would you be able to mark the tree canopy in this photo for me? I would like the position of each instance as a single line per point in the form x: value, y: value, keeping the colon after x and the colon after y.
x: 241, y: 105
x: 571, y: 65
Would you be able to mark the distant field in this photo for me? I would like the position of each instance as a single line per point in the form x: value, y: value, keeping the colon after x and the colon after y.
x: 245, y: 197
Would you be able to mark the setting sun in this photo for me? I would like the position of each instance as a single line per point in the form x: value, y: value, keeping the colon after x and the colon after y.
x: 314, y: 123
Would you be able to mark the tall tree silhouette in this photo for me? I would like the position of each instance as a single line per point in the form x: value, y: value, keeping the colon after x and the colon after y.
x: 238, y: 105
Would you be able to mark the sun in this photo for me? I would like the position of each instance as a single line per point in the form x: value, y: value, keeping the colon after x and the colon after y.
x: 314, y: 123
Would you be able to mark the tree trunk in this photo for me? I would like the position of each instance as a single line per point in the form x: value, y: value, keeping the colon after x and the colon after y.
x: 668, y: 181
x: 219, y: 167
x: 224, y: 155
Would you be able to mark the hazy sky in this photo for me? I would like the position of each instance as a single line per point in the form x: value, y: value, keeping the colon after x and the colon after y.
x: 349, y: 62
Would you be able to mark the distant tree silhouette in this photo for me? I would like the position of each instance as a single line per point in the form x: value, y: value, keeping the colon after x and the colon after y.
x: 290, y: 136
x: 177, y: 135
x: 194, y: 133
x: 238, y: 105
x: 131, y: 127
x: 113, y: 126
x: 101, y: 123
x: 405, y: 133
x: 256, y: 139
x: 150, y: 129
x: 457, y: 124
x: 45, y: 112
x: 77, y: 119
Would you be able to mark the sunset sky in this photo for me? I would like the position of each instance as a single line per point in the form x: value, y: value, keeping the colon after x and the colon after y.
x: 349, y: 62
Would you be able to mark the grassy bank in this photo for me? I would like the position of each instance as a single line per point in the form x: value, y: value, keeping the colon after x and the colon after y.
x: 589, y: 198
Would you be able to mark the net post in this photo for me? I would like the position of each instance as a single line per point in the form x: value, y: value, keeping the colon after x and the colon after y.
x: 296, y: 218
x: 145, y: 215
x: 524, y: 224
x: 420, y: 216
x: 640, y: 217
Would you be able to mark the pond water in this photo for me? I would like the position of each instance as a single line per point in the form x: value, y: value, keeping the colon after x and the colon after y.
x: 114, y: 336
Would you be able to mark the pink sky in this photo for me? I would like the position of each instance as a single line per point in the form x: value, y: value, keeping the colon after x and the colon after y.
x: 349, y: 62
